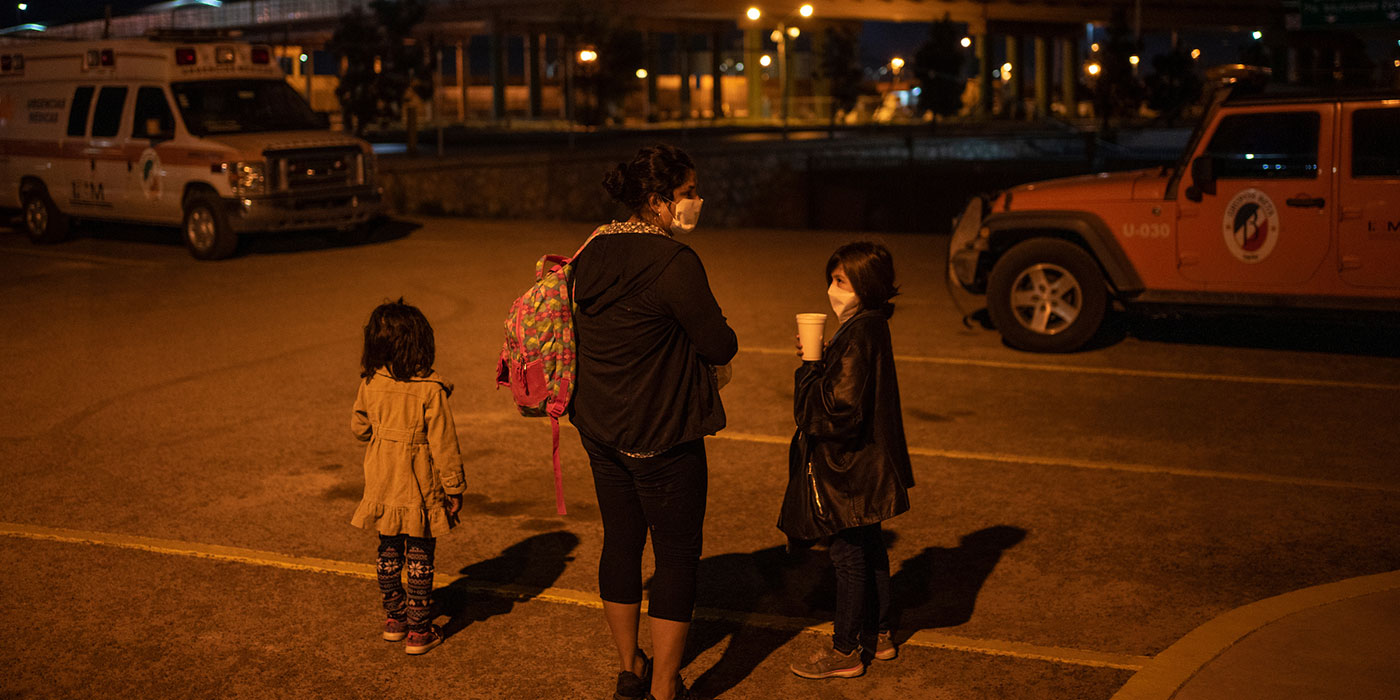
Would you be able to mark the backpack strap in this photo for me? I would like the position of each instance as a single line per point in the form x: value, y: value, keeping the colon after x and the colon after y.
x: 558, y: 472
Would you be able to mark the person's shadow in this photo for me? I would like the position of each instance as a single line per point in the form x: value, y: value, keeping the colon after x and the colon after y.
x: 526, y: 568
x: 936, y: 588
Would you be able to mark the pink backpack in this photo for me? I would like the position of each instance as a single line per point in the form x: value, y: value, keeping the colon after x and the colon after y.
x: 538, y: 359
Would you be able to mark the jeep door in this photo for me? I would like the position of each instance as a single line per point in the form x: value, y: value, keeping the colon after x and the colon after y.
x: 1267, y: 227
x: 1368, y: 236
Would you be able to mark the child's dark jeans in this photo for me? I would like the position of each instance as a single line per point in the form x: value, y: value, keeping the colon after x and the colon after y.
x: 862, y: 584
x: 413, y: 607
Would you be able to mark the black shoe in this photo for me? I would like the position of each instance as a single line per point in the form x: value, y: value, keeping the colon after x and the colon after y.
x: 632, y: 687
x: 682, y: 693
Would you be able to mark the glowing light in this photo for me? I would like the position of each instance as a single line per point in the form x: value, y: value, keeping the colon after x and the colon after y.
x: 739, y: 66
x: 1092, y: 69
x: 641, y: 73
x: 1257, y: 35
x: 966, y: 42
x: 805, y: 11
x: 1006, y: 69
x: 1397, y: 63
x: 754, y: 13
x: 23, y: 7
x: 587, y: 56
x: 1094, y: 47
x: 765, y: 60
x: 896, y: 63
x: 303, y: 58
x: 794, y: 32
x: 776, y: 37
x: 1195, y: 53
x: 1134, y: 60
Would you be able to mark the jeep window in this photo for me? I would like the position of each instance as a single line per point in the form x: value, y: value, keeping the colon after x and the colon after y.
x: 107, y: 119
x: 77, y: 116
x: 1375, y: 150
x: 154, y: 120
x: 241, y: 107
x: 1266, y: 146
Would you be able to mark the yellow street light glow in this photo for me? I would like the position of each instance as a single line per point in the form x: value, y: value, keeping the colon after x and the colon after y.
x: 1005, y: 68
x: 794, y: 32
x: 641, y: 72
x: 1257, y: 35
x: 1094, y: 47
x: 896, y: 63
x: 966, y: 41
x: 587, y: 56
x: 1195, y: 53
x: 1133, y: 60
x: 1092, y: 69
x: 805, y: 11
x: 776, y: 36
x: 1397, y: 63
x: 765, y: 60
x: 754, y: 13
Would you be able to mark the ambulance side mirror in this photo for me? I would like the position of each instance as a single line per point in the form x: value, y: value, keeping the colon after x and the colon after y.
x: 1202, y: 178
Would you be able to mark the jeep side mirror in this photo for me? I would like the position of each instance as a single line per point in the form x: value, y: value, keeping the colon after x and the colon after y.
x: 1202, y: 177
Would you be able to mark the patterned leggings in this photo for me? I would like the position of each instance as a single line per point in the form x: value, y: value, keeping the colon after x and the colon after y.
x: 414, y: 607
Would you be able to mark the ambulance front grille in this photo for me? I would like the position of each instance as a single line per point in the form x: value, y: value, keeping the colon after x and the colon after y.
x: 315, y: 169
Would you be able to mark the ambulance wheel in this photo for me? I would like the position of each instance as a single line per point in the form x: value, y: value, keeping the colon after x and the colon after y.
x: 206, y: 228
x: 1046, y: 295
x: 42, y: 220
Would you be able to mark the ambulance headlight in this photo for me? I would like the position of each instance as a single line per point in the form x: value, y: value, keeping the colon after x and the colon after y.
x: 247, y: 177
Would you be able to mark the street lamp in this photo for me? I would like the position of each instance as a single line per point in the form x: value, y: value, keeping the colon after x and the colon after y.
x: 780, y: 36
x: 896, y: 64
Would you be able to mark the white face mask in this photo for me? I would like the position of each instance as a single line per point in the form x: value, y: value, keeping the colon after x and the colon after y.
x: 844, y: 303
x: 685, y: 215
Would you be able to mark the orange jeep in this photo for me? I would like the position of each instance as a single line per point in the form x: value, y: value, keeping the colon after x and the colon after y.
x: 1280, y: 202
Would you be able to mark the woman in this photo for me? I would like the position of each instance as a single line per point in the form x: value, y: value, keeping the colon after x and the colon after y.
x: 650, y: 337
x: 848, y: 465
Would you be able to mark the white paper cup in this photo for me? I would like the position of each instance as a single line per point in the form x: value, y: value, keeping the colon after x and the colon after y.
x: 810, y: 328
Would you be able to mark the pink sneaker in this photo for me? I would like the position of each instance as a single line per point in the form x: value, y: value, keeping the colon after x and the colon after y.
x: 421, y: 642
x: 395, y: 630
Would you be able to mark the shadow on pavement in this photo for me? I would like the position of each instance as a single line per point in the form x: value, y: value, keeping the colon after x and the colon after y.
x: 936, y: 588
x: 257, y: 243
x: 533, y: 564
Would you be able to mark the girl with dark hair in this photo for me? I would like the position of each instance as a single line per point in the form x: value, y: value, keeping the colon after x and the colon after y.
x: 413, y: 467
x: 848, y: 465
x: 651, y: 339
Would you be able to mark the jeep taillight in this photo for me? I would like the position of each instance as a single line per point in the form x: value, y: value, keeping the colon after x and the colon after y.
x: 184, y: 56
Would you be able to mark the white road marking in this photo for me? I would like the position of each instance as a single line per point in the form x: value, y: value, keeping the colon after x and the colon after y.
x: 1090, y: 464
x: 1115, y: 372
x: 923, y: 638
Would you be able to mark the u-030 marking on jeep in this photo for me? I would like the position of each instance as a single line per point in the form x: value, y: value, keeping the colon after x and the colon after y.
x: 1281, y: 202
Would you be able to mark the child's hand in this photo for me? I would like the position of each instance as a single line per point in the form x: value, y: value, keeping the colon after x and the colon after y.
x: 798, y: 340
x: 454, y: 504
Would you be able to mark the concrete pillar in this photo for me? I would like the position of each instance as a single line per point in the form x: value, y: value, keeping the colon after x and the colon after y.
x: 464, y: 78
x: 498, y: 74
x: 717, y: 87
x: 753, y: 72
x: 1069, y: 75
x: 534, y: 58
x: 568, y: 53
x: 982, y: 45
x: 1042, y: 78
x: 683, y: 46
x: 1013, y: 84
x: 652, y: 45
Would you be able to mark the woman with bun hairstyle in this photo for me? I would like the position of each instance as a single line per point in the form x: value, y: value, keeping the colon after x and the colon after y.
x: 652, y: 342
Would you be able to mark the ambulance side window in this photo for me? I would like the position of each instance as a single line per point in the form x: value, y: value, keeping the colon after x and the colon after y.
x: 154, y: 120
x: 107, y: 120
x: 1266, y: 146
x: 1375, y: 152
x: 77, y: 117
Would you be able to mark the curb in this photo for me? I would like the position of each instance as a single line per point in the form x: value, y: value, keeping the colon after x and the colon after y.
x: 1172, y: 669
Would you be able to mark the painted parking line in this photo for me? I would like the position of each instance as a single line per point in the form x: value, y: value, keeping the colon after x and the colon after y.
x: 1003, y: 458
x: 1115, y: 372
x: 923, y: 638
x: 81, y: 257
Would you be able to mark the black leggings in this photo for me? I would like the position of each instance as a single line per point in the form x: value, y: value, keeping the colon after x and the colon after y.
x: 666, y: 495
x: 415, y: 607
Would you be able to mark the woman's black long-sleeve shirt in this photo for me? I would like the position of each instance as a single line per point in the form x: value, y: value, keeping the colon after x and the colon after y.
x: 648, y: 331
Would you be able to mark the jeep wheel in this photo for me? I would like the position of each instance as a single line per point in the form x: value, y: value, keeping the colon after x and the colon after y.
x: 1046, y: 295
x: 206, y: 228
x: 42, y: 220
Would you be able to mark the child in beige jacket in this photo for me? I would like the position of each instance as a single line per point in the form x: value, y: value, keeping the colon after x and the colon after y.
x: 413, y: 466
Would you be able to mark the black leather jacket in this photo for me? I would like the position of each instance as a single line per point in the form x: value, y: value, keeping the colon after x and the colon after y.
x: 848, y: 464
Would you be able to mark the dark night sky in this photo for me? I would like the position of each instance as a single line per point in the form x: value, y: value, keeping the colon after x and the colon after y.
x: 62, y: 11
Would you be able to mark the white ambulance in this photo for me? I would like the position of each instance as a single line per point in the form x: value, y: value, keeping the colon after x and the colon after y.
x: 204, y: 135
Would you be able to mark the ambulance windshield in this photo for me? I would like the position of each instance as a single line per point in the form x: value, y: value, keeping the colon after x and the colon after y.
x: 242, y: 106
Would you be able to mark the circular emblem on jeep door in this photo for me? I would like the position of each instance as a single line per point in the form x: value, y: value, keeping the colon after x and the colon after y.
x: 149, y: 168
x: 1251, y: 226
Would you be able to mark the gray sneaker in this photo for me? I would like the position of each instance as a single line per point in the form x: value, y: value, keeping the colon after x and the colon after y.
x: 884, y: 647
x: 829, y: 663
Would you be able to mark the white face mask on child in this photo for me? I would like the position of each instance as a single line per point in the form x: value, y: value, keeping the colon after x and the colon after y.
x: 844, y: 303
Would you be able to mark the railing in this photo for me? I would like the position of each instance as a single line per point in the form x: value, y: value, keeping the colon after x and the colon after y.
x: 242, y: 15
